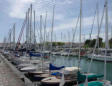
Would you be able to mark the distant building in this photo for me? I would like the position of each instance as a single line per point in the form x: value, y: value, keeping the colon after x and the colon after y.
x: 1, y: 45
x: 74, y: 45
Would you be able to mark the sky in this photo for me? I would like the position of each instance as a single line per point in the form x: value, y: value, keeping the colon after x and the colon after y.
x: 65, y: 18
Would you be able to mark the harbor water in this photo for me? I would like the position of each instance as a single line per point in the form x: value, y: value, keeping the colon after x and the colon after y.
x: 96, y: 67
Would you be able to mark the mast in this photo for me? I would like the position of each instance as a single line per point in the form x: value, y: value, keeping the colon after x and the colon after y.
x: 80, y: 31
x: 26, y: 29
x: 10, y: 37
x: 4, y: 41
x: 106, y: 25
x: 40, y: 31
x: 41, y: 41
x: 34, y: 31
x: 30, y: 25
x: 14, y: 36
x: 52, y: 27
x: 98, y: 23
x: 45, y: 32
x: 80, y: 35
x: 52, y: 31
x: 106, y: 36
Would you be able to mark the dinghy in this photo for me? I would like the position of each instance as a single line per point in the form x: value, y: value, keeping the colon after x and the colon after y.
x: 70, y: 74
x: 54, y: 81
x: 43, y: 69
x: 28, y: 69
x: 23, y: 65
x: 50, y: 81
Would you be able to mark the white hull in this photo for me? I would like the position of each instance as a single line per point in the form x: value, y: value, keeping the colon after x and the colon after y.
x: 101, y: 58
x: 28, y: 69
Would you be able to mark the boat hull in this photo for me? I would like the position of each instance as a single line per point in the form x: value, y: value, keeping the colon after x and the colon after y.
x: 100, y: 58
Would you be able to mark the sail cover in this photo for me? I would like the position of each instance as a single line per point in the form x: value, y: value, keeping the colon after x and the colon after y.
x: 82, y: 77
x: 35, y: 54
x: 94, y: 83
x: 52, y: 67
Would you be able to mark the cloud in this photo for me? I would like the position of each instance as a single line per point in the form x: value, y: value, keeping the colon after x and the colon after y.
x: 66, y: 12
x: 65, y: 2
x: 87, y: 22
x: 18, y: 8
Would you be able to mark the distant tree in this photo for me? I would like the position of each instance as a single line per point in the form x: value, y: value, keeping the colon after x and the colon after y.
x: 54, y: 43
x: 91, y: 43
x: 87, y: 43
x: 100, y: 42
x: 110, y: 43
x: 60, y: 43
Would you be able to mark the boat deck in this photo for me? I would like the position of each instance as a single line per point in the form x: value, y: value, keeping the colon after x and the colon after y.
x: 7, y: 76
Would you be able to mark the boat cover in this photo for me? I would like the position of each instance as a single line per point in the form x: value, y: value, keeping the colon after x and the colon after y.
x: 56, y: 74
x: 94, y: 83
x: 71, y: 70
x: 82, y: 77
x: 52, y: 67
x: 34, y: 54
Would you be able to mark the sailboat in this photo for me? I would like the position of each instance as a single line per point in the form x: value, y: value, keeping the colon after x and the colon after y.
x: 101, y: 56
x: 55, y: 73
x: 43, y: 72
x: 103, y: 82
x: 69, y: 74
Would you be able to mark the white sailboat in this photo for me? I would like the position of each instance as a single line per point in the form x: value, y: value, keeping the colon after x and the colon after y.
x: 68, y: 77
x: 101, y: 56
x: 103, y: 82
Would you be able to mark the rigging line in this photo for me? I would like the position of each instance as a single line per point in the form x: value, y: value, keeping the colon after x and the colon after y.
x: 8, y: 38
x: 38, y: 33
x: 95, y: 45
x: 74, y: 33
x: 98, y: 23
x: 21, y: 33
x: 75, y: 29
x: 37, y: 24
x: 52, y: 26
x: 96, y: 40
x: 93, y: 23
x: 45, y: 32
